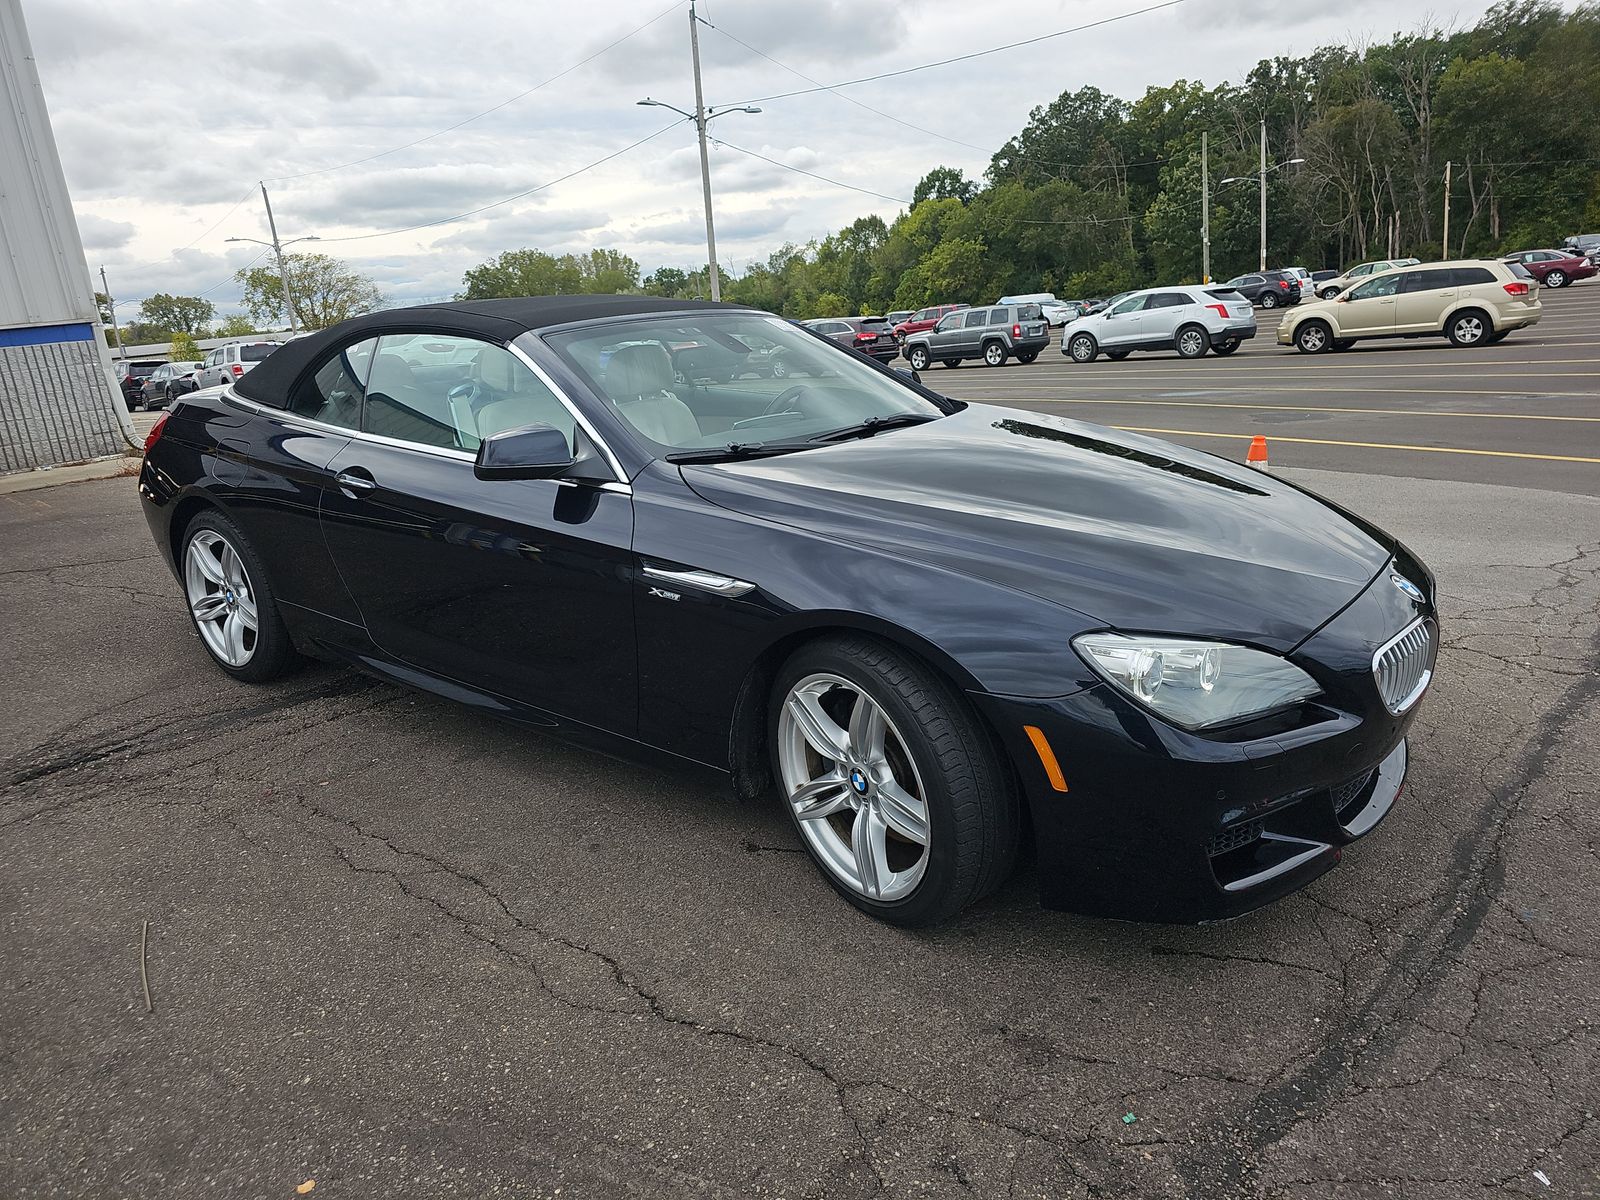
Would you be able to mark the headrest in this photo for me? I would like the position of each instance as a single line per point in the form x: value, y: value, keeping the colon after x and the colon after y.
x: 635, y: 371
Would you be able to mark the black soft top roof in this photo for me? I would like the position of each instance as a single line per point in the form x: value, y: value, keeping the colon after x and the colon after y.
x: 493, y: 320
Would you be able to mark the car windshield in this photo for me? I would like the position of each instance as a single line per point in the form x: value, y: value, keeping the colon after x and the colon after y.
x: 800, y: 386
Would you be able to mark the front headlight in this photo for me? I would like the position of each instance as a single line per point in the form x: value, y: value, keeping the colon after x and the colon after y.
x: 1195, y: 683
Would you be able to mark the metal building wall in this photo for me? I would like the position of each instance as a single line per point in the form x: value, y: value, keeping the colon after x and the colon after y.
x: 58, y: 399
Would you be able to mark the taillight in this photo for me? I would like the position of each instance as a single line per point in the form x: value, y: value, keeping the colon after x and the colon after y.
x: 866, y: 337
x: 1283, y: 285
x: 1516, y: 288
x: 237, y: 370
x: 154, y: 436
x: 1016, y: 331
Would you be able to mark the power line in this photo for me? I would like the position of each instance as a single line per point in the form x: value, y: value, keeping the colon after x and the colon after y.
x: 472, y: 212
x: 945, y: 62
x: 479, y: 116
x: 812, y: 174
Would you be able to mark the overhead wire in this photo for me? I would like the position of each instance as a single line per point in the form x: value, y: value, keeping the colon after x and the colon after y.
x: 355, y: 162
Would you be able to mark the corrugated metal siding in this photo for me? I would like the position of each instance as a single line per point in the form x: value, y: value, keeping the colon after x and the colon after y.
x: 55, y: 406
x: 43, y: 278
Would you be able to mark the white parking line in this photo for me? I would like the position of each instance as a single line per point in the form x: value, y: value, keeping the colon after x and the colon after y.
x: 1388, y: 412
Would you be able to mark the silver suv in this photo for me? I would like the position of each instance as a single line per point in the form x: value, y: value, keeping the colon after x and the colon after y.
x: 227, y: 363
x: 992, y: 334
x: 1190, y: 319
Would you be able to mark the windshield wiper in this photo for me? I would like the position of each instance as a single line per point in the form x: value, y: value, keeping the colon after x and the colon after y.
x: 734, y: 451
x: 874, y: 425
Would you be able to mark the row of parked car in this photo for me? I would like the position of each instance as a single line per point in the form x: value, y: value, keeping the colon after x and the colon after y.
x: 155, y: 382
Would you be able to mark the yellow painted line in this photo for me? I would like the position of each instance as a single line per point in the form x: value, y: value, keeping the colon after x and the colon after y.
x: 1387, y: 412
x: 1245, y: 437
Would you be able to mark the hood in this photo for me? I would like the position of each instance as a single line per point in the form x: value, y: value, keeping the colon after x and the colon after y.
x: 1131, y: 532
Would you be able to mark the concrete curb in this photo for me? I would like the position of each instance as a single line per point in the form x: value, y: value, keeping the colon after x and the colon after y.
x: 95, y: 468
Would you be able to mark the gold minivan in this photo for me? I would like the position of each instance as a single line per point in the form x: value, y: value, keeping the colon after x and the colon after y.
x: 1473, y: 303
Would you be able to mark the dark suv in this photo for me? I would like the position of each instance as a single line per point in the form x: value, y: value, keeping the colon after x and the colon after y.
x: 870, y: 335
x: 1269, y: 289
x: 992, y: 334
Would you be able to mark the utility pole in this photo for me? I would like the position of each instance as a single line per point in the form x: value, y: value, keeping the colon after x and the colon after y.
x: 283, y: 271
x: 1263, y: 193
x: 705, y: 161
x: 111, y: 307
x: 1205, y: 209
x: 1446, y: 248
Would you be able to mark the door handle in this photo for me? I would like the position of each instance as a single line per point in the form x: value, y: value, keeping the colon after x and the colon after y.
x: 353, y: 484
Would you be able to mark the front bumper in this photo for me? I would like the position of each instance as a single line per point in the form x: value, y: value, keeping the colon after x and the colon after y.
x: 1163, y: 824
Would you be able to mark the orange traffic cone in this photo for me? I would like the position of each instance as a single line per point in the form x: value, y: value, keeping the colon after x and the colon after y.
x: 1257, y: 457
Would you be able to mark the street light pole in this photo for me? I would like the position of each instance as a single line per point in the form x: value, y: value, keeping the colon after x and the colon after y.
x: 111, y: 307
x: 283, y: 271
x: 1263, y: 194
x: 705, y: 161
x: 1205, y: 209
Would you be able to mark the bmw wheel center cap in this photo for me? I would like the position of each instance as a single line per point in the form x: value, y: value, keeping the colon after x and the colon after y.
x: 858, y: 780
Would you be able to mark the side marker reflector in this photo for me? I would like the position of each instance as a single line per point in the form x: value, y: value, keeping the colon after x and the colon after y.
x: 1047, y: 757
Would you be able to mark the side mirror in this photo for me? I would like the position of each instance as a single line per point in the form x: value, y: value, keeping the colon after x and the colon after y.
x: 911, y: 375
x: 531, y: 452
x: 1340, y: 299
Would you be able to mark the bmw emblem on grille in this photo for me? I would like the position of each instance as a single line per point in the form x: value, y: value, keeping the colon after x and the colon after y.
x: 1406, y: 586
x: 858, y: 781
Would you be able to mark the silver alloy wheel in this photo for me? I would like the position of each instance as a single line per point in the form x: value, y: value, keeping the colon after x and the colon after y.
x: 1082, y: 347
x: 1469, y: 329
x: 1312, y: 338
x: 993, y: 354
x: 1191, y: 343
x: 221, y: 598
x: 854, y: 789
x: 1556, y: 278
x: 1269, y: 300
x: 918, y: 359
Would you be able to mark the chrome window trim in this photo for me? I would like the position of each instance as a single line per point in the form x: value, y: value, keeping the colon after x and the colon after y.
x: 588, y: 426
x: 1415, y: 694
x: 360, y: 435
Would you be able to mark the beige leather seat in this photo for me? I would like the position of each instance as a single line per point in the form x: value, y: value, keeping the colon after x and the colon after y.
x: 523, y: 397
x: 639, y: 380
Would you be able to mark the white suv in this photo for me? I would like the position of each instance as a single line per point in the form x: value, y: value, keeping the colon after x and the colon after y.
x: 228, y: 363
x: 1189, y: 319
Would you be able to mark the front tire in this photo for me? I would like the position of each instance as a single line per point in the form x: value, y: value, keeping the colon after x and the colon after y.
x: 1083, y: 348
x: 917, y: 356
x: 1313, y: 337
x: 994, y: 355
x: 1556, y: 279
x: 1469, y: 328
x: 1118, y: 355
x: 1192, y: 342
x: 896, y: 789
x: 951, y: 363
x: 231, y: 602
x: 1027, y: 358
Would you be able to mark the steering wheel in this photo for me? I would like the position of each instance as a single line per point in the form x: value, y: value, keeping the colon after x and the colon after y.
x: 785, y: 399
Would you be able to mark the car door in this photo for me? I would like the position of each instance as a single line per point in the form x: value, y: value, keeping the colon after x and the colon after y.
x: 1423, y: 299
x: 945, y: 336
x: 968, y: 336
x: 1124, y: 322
x: 1368, y: 309
x: 519, y: 587
x: 1163, y: 312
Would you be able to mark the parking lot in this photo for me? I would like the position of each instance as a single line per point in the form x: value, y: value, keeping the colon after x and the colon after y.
x: 1522, y: 412
x: 399, y: 949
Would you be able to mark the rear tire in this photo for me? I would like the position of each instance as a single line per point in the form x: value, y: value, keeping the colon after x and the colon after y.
x: 994, y: 354
x: 1192, y: 342
x: 1556, y: 279
x: 1118, y: 355
x: 1226, y: 347
x: 1313, y: 337
x: 929, y: 748
x: 1469, y: 327
x: 1082, y: 348
x: 1027, y: 358
x: 951, y: 363
x: 1343, y: 343
x: 226, y: 588
x: 1269, y: 299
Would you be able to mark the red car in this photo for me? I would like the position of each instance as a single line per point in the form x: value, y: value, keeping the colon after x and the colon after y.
x: 1554, y: 268
x: 924, y: 319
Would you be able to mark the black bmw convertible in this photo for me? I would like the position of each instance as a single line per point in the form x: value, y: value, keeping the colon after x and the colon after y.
x: 936, y: 630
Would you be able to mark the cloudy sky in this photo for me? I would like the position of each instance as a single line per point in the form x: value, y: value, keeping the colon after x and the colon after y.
x: 167, y: 112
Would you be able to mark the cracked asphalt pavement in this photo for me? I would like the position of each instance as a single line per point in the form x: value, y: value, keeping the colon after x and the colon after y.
x: 399, y: 949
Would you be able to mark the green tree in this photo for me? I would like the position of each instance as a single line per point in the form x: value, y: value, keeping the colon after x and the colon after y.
x: 944, y: 183
x: 185, y: 348
x: 529, y: 272
x: 238, y: 325
x: 326, y: 290
x: 177, y: 314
